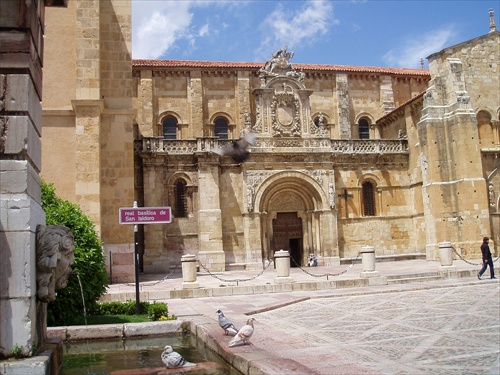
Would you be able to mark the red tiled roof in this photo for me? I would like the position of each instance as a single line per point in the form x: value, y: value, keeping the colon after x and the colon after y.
x: 388, y: 115
x: 256, y: 65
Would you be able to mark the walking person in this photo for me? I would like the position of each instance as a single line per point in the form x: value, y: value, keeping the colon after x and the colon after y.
x: 487, y: 259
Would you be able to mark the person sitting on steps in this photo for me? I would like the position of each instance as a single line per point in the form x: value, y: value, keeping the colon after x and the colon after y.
x: 312, y: 261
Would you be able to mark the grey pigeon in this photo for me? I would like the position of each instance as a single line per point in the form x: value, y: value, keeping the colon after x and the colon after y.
x: 173, y: 359
x: 238, y: 149
x: 226, y: 325
x: 243, y: 335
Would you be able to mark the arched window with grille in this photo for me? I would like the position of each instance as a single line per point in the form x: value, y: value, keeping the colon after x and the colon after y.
x: 180, y: 197
x: 169, y: 127
x: 221, y: 128
x: 368, y: 199
x: 364, y: 128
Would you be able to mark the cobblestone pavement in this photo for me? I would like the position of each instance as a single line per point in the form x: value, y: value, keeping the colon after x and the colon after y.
x: 426, y: 329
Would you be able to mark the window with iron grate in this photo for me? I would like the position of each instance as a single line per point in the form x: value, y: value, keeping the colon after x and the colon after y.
x: 221, y: 128
x: 180, y: 193
x: 169, y: 128
x: 364, y: 129
x: 368, y: 199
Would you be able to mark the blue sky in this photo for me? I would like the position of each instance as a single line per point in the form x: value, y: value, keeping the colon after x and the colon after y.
x: 349, y: 32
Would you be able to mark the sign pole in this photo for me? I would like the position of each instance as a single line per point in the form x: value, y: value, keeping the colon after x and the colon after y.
x: 142, y: 215
x: 136, y: 261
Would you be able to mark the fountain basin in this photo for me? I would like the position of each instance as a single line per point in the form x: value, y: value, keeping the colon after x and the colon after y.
x: 247, y: 359
x: 140, y: 356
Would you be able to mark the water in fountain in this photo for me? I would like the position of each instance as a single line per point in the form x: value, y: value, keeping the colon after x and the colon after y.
x: 83, y: 299
x: 140, y: 356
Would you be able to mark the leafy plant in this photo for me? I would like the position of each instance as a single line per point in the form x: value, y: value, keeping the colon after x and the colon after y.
x: 111, y: 319
x: 158, y: 311
x: 119, y: 308
x: 17, y: 351
x: 89, y: 259
x: 155, y: 311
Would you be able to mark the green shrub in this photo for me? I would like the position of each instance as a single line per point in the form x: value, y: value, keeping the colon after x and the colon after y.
x: 89, y: 260
x: 157, y: 311
x: 18, y: 352
x: 119, y: 308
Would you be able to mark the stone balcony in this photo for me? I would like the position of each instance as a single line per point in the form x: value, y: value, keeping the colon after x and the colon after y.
x: 346, y: 153
x: 160, y: 145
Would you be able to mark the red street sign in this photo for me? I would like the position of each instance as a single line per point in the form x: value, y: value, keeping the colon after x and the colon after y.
x: 145, y: 215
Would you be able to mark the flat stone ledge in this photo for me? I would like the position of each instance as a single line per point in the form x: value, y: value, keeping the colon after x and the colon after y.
x: 113, y: 331
x: 152, y: 328
x: 29, y: 366
x: 248, y: 359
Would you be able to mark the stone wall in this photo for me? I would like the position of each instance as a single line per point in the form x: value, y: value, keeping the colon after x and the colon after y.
x: 21, y: 62
x: 89, y: 117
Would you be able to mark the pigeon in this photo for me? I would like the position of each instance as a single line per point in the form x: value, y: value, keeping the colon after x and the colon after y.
x: 243, y: 334
x: 173, y: 359
x: 238, y: 149
x: 226, y: 325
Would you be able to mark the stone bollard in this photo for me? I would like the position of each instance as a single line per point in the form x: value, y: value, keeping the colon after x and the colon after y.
x: 368, y: 262
x: 447, y: 269
x: 368, y: 258
x: 446, y: 254
x: 189, y: 263
x: 282, y: 259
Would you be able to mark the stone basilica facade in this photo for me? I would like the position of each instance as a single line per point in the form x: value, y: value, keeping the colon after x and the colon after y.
x: 344, y: 156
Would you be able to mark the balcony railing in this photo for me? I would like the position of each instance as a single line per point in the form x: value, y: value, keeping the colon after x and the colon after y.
x: 158, y: 145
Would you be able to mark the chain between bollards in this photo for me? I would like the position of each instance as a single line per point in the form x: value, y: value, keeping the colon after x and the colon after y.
x: 153, y: 283
x: 326, y: 274
x: 466, y: 261
x: 235, y: 280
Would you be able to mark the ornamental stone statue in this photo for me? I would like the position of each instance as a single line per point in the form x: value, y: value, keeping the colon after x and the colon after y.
x: 54, y: 257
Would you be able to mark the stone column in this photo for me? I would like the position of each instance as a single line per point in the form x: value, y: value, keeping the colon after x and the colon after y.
x: 189, y: 263
x: 282, y: 259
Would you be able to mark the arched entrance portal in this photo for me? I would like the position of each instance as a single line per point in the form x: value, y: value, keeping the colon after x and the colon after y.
x: 295, y: 215
x: 287, y: 235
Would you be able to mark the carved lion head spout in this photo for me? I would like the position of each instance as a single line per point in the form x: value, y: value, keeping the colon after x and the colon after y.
x: 55, y: 255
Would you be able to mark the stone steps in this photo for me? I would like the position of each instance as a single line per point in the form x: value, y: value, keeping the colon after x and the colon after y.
x: 416, y: 278
x: 386, y: 258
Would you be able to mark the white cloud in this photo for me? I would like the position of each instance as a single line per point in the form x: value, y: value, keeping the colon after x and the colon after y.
x: 156, y: 25
x: 159, y: 25
x: 203, y: 30
x: 413, y: 50
x: 300, y: 26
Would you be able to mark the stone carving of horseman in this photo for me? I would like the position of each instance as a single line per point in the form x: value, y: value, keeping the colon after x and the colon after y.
x: 280, y: 60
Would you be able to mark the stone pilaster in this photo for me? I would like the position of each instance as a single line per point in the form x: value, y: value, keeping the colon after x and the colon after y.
x: 454, y: 189
x: 88, y: 158
x: 195, y: 102
x: 243, y: 98
x: 386, y: 94
x: 211, y: 253
x: 252, y: 237
x: 343, y: 106
x: 145, y: 110
x: 88, y: 74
